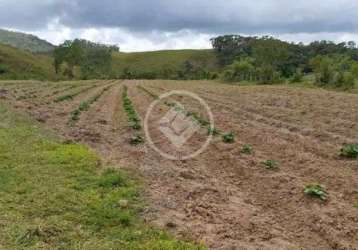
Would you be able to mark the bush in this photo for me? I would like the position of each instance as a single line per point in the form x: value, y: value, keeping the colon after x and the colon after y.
x: 348, y: 81
x: 3, y: 69
x: 297, y: 76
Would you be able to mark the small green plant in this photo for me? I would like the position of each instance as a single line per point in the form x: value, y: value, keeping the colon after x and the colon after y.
x: 316, y: 190
x: 136, y: 140
x: 247, y: 149
x: 75, y: 115
x: 132, y: 115
x: 229, y: 137
x: 349, y: 151
x: 270, y: 164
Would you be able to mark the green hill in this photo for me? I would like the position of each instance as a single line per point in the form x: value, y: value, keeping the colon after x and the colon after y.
x: 163, y: 61
x: 21, y: 64
x: 25, y: 41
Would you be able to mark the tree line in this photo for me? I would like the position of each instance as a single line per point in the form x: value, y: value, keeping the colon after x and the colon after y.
x: 269, y: 60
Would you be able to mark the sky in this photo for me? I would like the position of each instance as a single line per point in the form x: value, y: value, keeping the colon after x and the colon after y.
x: 142, y: 25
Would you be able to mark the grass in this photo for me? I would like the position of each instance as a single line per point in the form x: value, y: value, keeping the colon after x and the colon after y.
x: 18, y: 64
x: 59, y: 196
x: 316, y: 190
x: 160, y: 61
x: 85, y: 105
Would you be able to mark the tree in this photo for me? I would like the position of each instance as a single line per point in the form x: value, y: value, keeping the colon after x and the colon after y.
x: 94, y: 59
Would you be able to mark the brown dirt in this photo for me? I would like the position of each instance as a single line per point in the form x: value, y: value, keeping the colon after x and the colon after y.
x: 224, y: 198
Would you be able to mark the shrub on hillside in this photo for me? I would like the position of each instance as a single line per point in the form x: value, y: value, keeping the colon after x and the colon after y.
x: 3, y: 69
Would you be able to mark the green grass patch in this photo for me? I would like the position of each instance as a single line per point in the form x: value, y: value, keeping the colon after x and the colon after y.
x: 58, y: 196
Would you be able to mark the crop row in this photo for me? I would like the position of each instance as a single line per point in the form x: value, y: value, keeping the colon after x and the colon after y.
x: 133, y: 117
x: 203, y: 122
x: 69, y: 97
x: 85, y: 105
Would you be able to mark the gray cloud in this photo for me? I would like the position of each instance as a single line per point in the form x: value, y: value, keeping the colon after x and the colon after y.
x: 221, y: 16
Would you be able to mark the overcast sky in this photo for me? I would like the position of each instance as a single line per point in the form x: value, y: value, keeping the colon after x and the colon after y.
x: 138, y: 25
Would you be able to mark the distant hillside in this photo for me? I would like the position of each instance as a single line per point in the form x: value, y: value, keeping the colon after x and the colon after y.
x: 25, y: 41
x: 158, y: 61
x: 20, y: 64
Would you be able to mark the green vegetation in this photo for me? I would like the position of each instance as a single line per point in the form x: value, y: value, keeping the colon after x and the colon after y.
x: 59, y: 196
x: 166, y: 64
x: 85, y: 105
x: 268, y: 60
x: 316, y: 190
x: 228, y: 137
x: 270, y: 164
x: 350, y: 151
x: 69, y: 97
x: 93, y: 59
x: 16, y: 64
x: 25, y: 42
x: 137, y: 139
x: 132, y: 114
x: 247, y: 149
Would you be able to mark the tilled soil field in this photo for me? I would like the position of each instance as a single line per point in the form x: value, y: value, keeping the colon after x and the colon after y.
x: 225, y: 197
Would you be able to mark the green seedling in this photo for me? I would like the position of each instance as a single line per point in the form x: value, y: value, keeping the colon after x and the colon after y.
x: 229, y: 137
x: 349, y: 151
x: 247, y: 149
x: 270, y: 164
x: 136, y: 140
x: 316, y: 190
